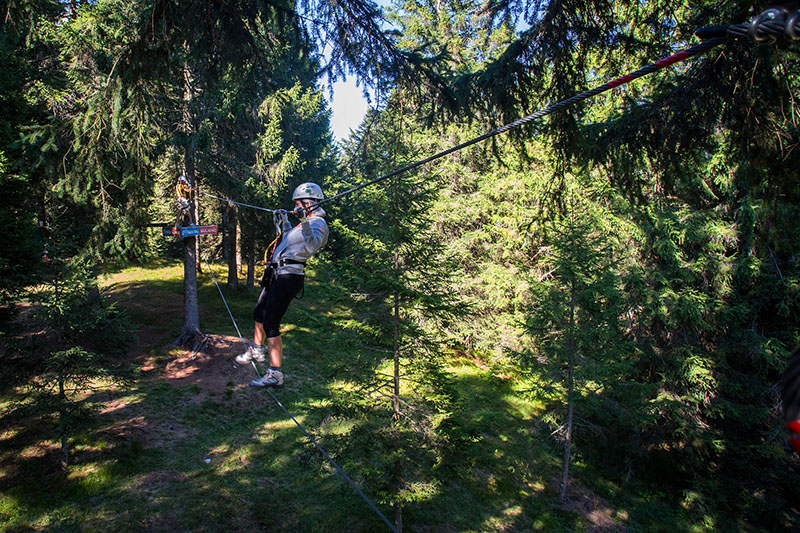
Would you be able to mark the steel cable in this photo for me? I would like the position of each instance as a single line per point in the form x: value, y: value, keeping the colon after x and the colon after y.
x: 339, y: 469
x: 767, y: 27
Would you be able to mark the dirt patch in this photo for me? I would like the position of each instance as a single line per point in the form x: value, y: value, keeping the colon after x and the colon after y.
x: 212, y: 374
x: 211, y: 370
x: 211, y: 367
x: 150, y: 433
x: 156, y: 481
x: 600, y: 514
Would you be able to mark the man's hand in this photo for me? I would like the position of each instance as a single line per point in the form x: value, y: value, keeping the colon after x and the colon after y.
x: 300, y: 212
x: 281, y: 218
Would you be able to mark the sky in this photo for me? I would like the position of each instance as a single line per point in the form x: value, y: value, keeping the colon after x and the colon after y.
x: 348, y: 106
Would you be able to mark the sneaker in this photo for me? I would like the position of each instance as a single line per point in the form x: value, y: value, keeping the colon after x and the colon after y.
x: 251, y: 354
x: 272, y: 378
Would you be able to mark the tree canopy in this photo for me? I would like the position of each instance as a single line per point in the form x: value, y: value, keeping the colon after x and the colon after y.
x: 632, y: 260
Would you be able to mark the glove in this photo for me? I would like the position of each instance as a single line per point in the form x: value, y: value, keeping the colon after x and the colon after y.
x: 281, y: 219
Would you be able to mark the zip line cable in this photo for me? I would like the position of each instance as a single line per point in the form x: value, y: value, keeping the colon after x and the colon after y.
x: 649, y: 69
x: 239, y: 203
x: 230, y: 314
x: 312, y: 439
x: 766, y: 28
x: 328, y: 457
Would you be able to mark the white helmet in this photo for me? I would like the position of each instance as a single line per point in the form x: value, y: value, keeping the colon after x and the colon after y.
x: 308, y: 191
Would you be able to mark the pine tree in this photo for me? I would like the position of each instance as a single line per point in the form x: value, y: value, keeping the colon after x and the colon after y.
x: 386, y: 236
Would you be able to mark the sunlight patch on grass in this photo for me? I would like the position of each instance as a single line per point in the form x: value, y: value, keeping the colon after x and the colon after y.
x: 268, y: 428
x: 143, y: 273
x: 337, y: 426
x: 504, y: 521
x: 82, y: 471
x: 523, y: 407
x: 467, y: 370
x: 40, y: 449
x: 120, y: 403
x: 9, y: 433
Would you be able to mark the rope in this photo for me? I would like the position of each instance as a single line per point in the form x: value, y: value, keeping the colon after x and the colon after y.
x: 313, y: 441
x: 649, y: 69
x: 766, y: 28
x: 328, y: 457
x: 230, y: 314
x: 239, y: 203
x: 770, y: 26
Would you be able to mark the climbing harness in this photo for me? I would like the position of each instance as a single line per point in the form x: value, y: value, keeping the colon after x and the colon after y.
x: 239, y: 203
x: 299, y: 425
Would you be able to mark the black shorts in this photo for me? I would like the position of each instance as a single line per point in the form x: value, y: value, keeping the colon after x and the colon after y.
x: 273, y: 303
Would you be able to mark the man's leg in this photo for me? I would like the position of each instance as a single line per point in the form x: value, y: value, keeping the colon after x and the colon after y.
x: 259, y: 336
x: 275, y: 349
x: 281, y: 293
x: 257, y: 352
x: 274, y: 376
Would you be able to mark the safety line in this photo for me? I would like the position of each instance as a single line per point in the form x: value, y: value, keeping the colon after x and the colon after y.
x: 767, y: 27
x: 649, y: 69
x: 230, y: 314
x: 622, y: 80
x: 239, y: 203
x: 328, y: 457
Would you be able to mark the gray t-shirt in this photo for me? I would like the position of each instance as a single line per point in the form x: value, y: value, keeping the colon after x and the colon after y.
x: 300, y: 243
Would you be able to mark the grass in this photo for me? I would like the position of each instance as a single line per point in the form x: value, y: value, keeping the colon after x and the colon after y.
x: 161, y: 457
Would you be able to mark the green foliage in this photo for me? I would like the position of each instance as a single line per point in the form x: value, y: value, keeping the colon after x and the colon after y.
x: 662, y: 214
x: 83, y: 332
x: 77, y: 311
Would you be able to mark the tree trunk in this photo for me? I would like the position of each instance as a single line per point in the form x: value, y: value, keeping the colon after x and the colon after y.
x: 398, y: 517
x: 62, y: 418
x: 198, y: 263
x: 396, y: 392
x: 562, y: 494
x: 239, y: 266
x: 191, y: 313
x: 251, y: 262
x: 233, y: 248
x: 398, y: 467
x: 62, y: 395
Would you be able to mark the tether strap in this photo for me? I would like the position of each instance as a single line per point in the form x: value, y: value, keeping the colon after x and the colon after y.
x: 283, y: 262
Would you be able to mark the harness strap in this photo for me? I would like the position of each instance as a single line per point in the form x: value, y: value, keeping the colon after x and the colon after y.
x: 284, y: 262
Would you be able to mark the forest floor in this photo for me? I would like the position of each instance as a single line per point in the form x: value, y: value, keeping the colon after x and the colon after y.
x: 185, y: 445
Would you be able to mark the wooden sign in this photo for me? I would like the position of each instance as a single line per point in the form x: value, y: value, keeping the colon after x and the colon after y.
x: 188, y: 231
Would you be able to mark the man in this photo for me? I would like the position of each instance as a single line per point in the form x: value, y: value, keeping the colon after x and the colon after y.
x: 184, y: 193
x: 284, y: 279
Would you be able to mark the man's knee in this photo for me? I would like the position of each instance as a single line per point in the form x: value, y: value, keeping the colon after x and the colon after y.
x: 272, y: 330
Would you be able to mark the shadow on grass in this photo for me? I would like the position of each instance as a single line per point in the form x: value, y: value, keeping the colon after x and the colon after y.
x: 172, y: 452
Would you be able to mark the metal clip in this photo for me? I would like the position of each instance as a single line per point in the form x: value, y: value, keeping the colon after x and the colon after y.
x: 792, y: 26
x: 759, y: 33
